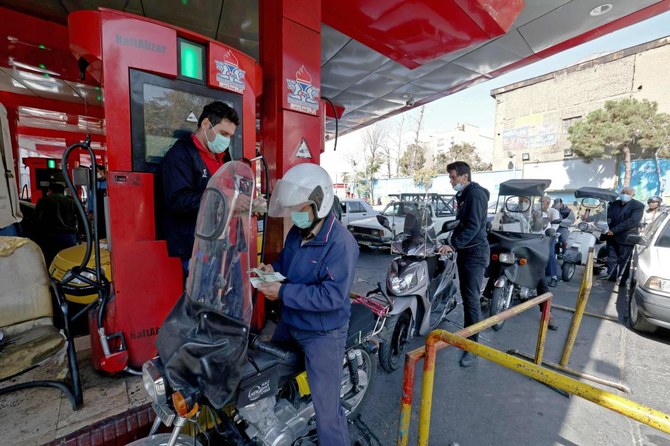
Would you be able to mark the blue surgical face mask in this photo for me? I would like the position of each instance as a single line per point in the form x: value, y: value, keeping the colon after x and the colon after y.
x: 625, y: 198
x: 301, y: 219
x: 458, y: 187
x: 220, y: 143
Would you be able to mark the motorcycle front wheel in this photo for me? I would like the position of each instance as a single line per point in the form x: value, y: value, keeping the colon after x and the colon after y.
x: 567, y: 271
x: 500, y: 301
x: 392, y: 350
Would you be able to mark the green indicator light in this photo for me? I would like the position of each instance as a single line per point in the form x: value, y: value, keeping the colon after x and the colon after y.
x: 191, y: 60
x: 51, y: 164
x: 99, y: 98
x: 46, y: 75
x: 42, y: 66
x: 42, y: 47
x: 184, y: 2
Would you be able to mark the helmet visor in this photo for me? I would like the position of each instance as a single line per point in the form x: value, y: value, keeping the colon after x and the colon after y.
x: 288, y: 197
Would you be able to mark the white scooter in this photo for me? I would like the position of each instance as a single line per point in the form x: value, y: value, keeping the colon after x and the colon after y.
x: 587, y: 235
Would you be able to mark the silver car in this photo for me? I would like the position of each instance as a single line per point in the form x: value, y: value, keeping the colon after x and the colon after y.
x: 649, y: 284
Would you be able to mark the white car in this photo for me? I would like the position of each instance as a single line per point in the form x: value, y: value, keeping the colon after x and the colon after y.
x: 649, y: 284
x: 369, y: 232
x: 354, y: 209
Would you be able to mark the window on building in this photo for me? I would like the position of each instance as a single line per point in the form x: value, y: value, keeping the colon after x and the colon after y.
x: 440, y: 142
x: 569, y: 122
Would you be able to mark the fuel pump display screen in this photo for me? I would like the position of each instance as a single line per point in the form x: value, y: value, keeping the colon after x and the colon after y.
x: 162, y: 110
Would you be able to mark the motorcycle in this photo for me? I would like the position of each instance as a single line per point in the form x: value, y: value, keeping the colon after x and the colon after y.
x: 520, y: 246
x: 420, y: 289
x: 209, y: 368
x: 593, y: 212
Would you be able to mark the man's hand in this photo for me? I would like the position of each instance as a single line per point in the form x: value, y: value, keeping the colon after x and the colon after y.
x: 266, y: 268
x: 445, y: 249
x: 270, y: 289
x: 610, y: 233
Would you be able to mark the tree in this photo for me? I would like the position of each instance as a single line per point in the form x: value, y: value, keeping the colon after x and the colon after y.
x: 460, y: 152
x: 394, y: 146
x: 621, y: 129
x: 413, y: 159
x: 423, y: 177
x: 374, y: 139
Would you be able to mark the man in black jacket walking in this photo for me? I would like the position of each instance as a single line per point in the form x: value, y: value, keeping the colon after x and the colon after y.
x: 185, y: 170
x: 470, y: 243
x: 623, y: 217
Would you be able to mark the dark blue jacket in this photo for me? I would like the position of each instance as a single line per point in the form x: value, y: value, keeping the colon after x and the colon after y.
x: 470, y: 235
x: 184, y: 177
x: 624, y: 219
x: 319, y: 274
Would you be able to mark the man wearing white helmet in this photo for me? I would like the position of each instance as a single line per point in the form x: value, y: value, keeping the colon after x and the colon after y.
x: 319, y: 260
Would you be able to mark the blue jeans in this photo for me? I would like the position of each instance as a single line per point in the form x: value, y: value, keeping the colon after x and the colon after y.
x: 324, y: 356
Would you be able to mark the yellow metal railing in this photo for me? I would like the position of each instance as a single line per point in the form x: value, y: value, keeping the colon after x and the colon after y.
x: 440, y: 339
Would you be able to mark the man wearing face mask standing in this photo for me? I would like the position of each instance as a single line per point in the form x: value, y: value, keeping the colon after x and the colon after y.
x: 185, y: 170
x: 319, y: 262
x: 623, y: 217
x: 470, y: 243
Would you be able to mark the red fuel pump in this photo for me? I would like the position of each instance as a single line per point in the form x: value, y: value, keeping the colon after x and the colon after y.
x: 156, y: 78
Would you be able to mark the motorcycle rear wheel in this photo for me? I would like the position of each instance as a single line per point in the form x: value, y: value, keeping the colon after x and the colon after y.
x: 500, y: 301
x: 392, y: 351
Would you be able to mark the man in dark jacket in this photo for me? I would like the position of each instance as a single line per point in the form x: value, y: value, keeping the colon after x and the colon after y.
x: 623, y: 217
x: 470, y: 243
x: 185, y: 171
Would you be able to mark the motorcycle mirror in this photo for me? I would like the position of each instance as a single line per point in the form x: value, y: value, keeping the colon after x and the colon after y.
x: 637, y: 239
x: 449, y: 226
x: 384, y: 222
x: 550, y: 232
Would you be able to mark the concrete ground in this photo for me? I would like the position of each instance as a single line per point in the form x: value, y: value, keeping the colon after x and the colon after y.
x: 490, y: 405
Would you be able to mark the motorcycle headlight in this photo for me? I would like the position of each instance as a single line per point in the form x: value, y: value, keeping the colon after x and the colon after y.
x: 583, y: 226
x: 400, y: 284
x: 658, y: 284
x: 507, y: 257
x: 153, y: 382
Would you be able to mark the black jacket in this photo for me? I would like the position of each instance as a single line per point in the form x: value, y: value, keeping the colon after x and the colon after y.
x: 471, y: 231
x: 624, y: 219
x: 184, y: 177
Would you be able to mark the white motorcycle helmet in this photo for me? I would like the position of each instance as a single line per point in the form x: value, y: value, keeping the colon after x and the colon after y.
x: 302, y: 184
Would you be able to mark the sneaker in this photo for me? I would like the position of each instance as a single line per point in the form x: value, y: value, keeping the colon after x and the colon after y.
x: 553, y: 282
x: 552, y: 323
x: 468, y: 359
x: 603, y: 275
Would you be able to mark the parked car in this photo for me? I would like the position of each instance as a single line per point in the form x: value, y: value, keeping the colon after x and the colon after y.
x: 354, y: 209
x: 649, y: 279
x: 369, y: 232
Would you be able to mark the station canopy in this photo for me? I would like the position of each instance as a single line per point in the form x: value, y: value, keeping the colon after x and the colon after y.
x: 378, y: 57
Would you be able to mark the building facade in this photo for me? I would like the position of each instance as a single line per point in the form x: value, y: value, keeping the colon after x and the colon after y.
x: 533, y: 116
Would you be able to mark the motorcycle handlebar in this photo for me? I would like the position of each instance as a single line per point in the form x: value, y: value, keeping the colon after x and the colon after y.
x: 257, y: 344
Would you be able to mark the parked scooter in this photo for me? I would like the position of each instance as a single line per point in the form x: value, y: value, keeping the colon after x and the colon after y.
x: 593, y: 224
x: 420, y: 289
x: 519, y: 244
x: 246, y: 391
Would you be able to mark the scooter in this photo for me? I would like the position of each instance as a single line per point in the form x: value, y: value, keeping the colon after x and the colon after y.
x: 519, y: 247
x: 420, y: 289
x: 593, y: 211
x: 211, y: 375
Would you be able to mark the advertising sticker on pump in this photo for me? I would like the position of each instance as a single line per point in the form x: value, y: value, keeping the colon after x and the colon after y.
x: 303, y: 96
x: 229, y: 75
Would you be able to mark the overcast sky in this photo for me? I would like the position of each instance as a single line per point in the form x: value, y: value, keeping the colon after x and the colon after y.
x: 475, y: 104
